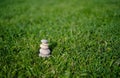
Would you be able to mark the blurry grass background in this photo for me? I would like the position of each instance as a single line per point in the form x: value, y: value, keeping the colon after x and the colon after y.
x: 84, y: 37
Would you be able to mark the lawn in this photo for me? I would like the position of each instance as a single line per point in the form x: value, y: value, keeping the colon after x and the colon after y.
x: 83, y: 35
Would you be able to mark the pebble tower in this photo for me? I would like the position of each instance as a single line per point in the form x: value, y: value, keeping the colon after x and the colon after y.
x: 44, y: 49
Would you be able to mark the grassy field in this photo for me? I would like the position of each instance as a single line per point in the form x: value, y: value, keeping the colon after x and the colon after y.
x: 84, y: 37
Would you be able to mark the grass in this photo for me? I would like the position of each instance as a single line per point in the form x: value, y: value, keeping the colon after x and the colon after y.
x: 84, y: 36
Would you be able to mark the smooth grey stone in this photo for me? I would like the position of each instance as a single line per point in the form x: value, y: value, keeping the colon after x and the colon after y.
x: 43, y: 55
x: 44, y: 51
x: 44, y: 46
x: 44, y: 41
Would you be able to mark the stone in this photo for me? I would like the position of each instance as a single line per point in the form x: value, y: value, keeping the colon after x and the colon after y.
x: 44, y: 46
x: 42, y: 55
x: 44, y: 49
x: 44, y: 41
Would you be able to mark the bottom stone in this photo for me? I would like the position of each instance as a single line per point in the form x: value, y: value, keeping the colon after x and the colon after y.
x: 43, y: 55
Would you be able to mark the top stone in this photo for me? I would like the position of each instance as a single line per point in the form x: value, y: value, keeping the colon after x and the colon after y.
x: 44, y: 41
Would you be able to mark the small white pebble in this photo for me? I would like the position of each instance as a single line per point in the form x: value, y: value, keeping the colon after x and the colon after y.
x: 44, y: 41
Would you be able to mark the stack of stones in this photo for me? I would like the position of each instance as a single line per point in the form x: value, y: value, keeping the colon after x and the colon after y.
x: 44, y: 50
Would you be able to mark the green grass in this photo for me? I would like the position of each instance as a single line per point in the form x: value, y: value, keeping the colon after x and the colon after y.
x: 84, y: 36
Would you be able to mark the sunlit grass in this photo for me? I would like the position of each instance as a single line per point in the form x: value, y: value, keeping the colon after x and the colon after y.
x: 83, y: 35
